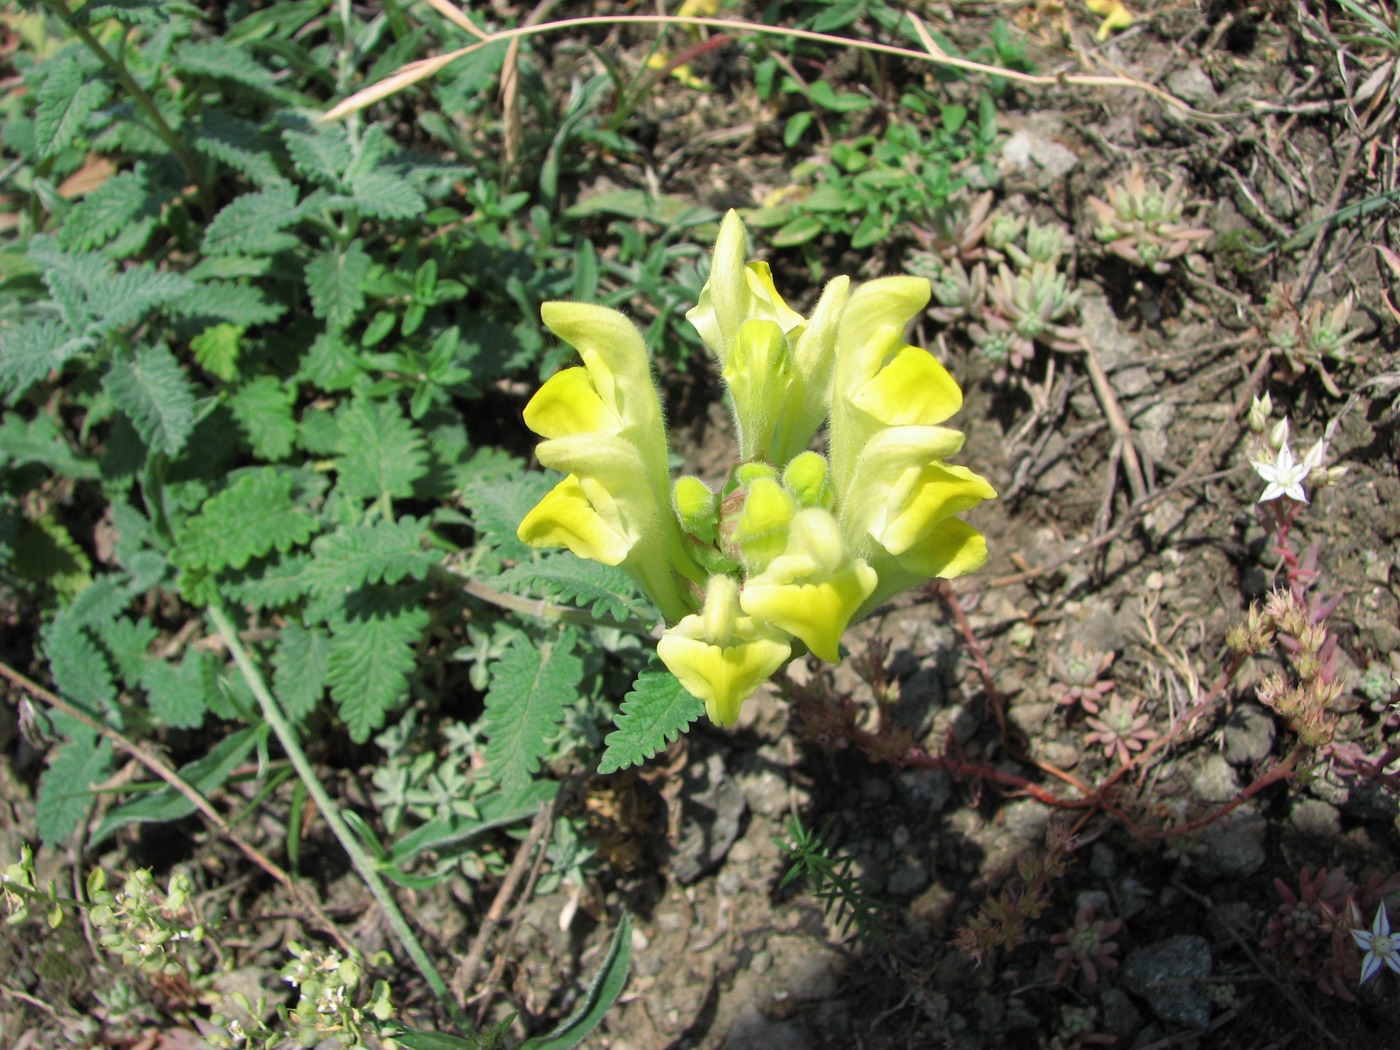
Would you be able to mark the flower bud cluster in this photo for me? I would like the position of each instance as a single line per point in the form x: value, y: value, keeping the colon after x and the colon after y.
x: 794, y: 545
x: 141, y: 924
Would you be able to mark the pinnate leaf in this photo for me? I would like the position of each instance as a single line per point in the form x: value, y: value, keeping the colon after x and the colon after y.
x: 605, y: 590
x: 372, y: 653
x: 29, y: 351
x: 151, y: 388
x: 381, y: 453
x: 65, y: 789
x: 255, y: 223
x: 656, y: 710
x: 256, y: 514
x: 67, y: 97
x: 530, y: 684
x: 263, y: 409
x: 299, y: 669
x: 334, y: 280
x: 379, y: 552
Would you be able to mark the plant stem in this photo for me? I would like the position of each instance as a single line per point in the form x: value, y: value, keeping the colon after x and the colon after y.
x: 142, y: 98
x: 378, y: 889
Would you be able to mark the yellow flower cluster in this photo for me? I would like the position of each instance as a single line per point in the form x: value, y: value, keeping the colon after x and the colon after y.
x: 795, y: 545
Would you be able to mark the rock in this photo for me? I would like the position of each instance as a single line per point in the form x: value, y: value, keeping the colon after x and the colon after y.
x: 804, y: 969
x: 1249, y: 735
x: 928, y: 790
x: 753, y: 1031
x: 714, y: 808
x: 1151, y: 426
x: 1032, y: 151
x: 1315, y: 818
x: 1190, y: 84
x: 1120, y: 1016
x: 908, y: 878
x: 1233, y: 848
x: 1170, y: 975
x: 1216, y: 781
x: 1113, y: 346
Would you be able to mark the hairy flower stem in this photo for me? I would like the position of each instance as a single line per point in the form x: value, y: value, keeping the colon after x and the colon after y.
x: 140, y: 97
x: 363, y: 863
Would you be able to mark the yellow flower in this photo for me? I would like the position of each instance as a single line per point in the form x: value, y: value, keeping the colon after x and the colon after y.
x: 602, y: 427
x: 719, y: 656
x: 814, y: 587
x: 895, y: 495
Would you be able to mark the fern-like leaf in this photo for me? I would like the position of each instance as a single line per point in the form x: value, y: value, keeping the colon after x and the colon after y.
x: 30, y: 351
x: 229, y: 301
x: 299, y: 669
x: 497, y: 508
x: 263, y: 409
x: 123, y: 201
x: 255, y: 223
x: 381, y: 552
x: 67, y: 98
x: 529, y: 686
x: 385, y: 195
x: 255, y: 515
x: 372, y: 652
x: 151, y: 388
x: 271, y: 584
x: 381, y: 453
x: 322, y: 155
x: 179, y: 696
x: 65, y: 789
x: 216, y: 58
x: 335, y: 280
x: 604, y: 590
x: 237, y: 143
x: 656, y: 710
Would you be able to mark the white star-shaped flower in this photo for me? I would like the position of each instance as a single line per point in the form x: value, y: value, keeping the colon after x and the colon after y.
x: 1381, y: 947
x: 1285, y: 475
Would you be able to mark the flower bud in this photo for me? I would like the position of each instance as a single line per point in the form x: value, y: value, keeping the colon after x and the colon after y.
x: 694, y: 505
x: 806, y: 478
x: 1259, y: 411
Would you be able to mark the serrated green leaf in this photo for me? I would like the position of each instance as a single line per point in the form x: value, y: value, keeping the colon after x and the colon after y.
x: 180, y: 696
x: 217, y: 349
x: 79, y: 668
x: 371, y: 656
x: 256, y: 514
x: 232, y: 301
x: 656, y: 710
x: 253, y: 224
x: 239, y: 144
x: 497, y: 508
x: 132, y: 293
x: 150, y: 387
x: 65, y: 789
x: 41, y: 440
x: 129, y: 642
x: 206, y: 775
x: 272, y: 584
x: 381, y: 552
x: 381, y: 452
x: 45, y: 553
x: 263, y: 409
x: 216, y: 58
x: 385, y: 195
x: 323, y: 155
x: 66, y: 98
x: 300, y: 665
x: 334, y: 280
x: 30, y: 351
x: 530, y: 685
x: 121, y: 202
x: 604, y: 590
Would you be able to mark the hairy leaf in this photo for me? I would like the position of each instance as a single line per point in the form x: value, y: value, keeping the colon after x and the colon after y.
x: 300, y: 666
x: 67, y: 97
x: 385, y: 195
x: 530, y: 685
x: 79, y: 667
x: 381, y: 452
x: 322, y: 155
x: 237, y: 143
x: 604, y: 590
x: 121, y: 202
x: 151, y: 388
x: 334, y: 280
x: 272, y: 584
x: 230, y: 301
x: 656, y: 710
x: 498, y: 507
x: 65, y: 789
x: 370, y: 659
x: 263, y: 409
x: 131, y: 294
x: 256, y: 514
x: 381, y: 552
x: 216, y: 58
x: 254, y: 223
x: 180, y: 696
x: 30, y: 351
